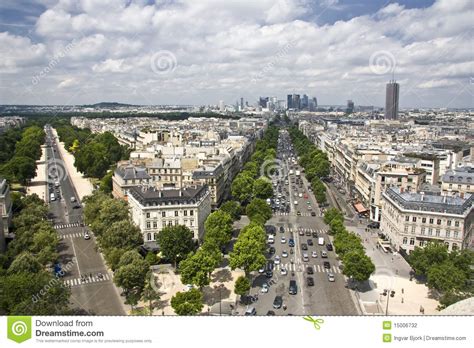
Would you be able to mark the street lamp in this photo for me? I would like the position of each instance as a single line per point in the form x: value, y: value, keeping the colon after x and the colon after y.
x: 385, y: 293
x: 219, y: 287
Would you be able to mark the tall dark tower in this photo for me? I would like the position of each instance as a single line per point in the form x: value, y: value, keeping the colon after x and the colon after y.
x: 391, y: 100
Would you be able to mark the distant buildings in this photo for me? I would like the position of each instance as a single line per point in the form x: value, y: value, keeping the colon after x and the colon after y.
x: 350, y: 107
x: 391, y: 100
x: 221, y: 105
x: 458, y: 181
x: 153, y: 209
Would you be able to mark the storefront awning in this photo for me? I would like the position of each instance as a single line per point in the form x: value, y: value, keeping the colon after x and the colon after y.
x: 360, y: 208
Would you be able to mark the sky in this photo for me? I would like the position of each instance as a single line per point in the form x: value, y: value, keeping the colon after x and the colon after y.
x: 202, y: 51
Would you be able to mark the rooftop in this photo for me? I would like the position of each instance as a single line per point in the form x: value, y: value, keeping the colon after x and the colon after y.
x: 463, y: 175
x: 130, y: 172
x: 148, y: 196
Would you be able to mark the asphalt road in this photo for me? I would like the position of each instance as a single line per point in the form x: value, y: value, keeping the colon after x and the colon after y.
x: 324, y: 298
x: 92, y: 290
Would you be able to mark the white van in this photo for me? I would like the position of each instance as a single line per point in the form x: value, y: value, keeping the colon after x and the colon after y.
x: 52, y: 197
x: 320, y: 241
x: 271, y: 239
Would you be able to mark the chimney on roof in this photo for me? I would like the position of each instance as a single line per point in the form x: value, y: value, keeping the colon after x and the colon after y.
x: 461, y: 194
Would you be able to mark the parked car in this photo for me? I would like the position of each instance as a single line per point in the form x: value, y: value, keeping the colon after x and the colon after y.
x: 292, y: 288
x: 304, y: 246
x: 251, y: 311
x: 310, y: 281
x: 314, y: 254
x: 309, y: 270
x: 310, y: 242
x: 326, y: 264
x: 277, y: 302
x: 329, y: 247
x: 331, y: 277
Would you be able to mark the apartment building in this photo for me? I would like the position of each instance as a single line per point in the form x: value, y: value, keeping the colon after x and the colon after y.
x: 126, y: 176
x: 153, y: 209
x: 412, y: 219
x: 5, y: 212
x: 458, y: 181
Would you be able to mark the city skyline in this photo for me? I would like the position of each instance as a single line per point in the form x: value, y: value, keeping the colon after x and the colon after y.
x: 142, y: 53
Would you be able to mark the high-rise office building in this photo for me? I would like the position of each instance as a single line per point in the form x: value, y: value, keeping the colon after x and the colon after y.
x: 221, y: 105
x: 263, y: 102
x: 350, y: 107
x: 241, y: 103
x: 391, y: 100
x: 296, y: 102
x: 315, y: 101
x: 289, y: 101
x: 304, y: 102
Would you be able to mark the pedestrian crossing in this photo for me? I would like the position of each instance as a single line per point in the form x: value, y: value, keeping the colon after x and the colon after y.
x: 86, y: 280
x: 72, y: 235
x: 305, y: 230
x: 279, y: 213
x: 300, y: 267
x: 62, y: 226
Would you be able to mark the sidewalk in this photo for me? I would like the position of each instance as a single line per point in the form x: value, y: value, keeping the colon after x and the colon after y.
x: 38, y: 183
x: 82, y: 185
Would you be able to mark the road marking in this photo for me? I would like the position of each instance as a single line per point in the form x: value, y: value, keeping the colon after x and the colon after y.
x: 75, y: 257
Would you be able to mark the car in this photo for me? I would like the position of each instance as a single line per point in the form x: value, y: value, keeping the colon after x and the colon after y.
x: 73, y: 199
x: 282, y: 229
x: 270, y: 313
x: 331, y: 277
x: 329, y: 247
x: 326, y: 264
x: 292, y: 288
x: 305, y: 196
x: 283, y: 271
x: 314, y: 254
x: 271, y: 250
x: 295, y: 202
x: 314, y: 234
x: 291, y: 243
x: 301, y: 232
x: 277, y: 302
x: 304, y: 246
x: 310, y: 242
x: 87, y: 236
x: 269, y: 273
x: 305, y: 257
x: 284, y: 253
x: 261, y: 270
x: 283, y: 240
x: 264, y: 288
x: 310, y: 207
x: 324, y: 254
x: 374, y: 224
x: 251, y: 311
x: 271, y: 239
x: 300, y: 195
x: 309, y: 270
x: 310, y: 281
x: 298, y: 213
x: 313, y: 213
x: 277, y: 260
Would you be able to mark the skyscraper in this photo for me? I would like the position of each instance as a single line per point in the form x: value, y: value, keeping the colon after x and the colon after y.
x: 289, y: 101
x: 304, y: 102
x: 391, y: 100
x: 296, y: 101
x: 241, y: 103
x: 350, y: 107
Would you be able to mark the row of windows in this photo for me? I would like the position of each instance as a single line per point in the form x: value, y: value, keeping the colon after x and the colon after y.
x: 422, y: 243
x: 165, y: 171
x: 429, y: 231
x: 176, y: 213
x: 168, y: 223
x: 468, y: 187
x: 431, y: 221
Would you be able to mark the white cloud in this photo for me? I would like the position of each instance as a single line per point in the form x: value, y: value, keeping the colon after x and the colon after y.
x: 222, y: 46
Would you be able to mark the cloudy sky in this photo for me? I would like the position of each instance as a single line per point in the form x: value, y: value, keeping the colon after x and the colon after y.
x: 202, y: 51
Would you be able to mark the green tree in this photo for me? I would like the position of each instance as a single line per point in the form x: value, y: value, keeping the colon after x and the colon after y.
x: 422, y: 259
x: 175, y: 242
x: 197, y: 268
x: 242, y: 187
x: 150, y: 294
x: 242, y: 286
x: 187, y: 303
x: 131, y: 276
x: 247, y: 255
x: 357, y: 266
x: 218, y: 226
x: 259, y: 209
x: 345, y: 242
x: 25, y: 263
x: 110, y: 211
x: 333, y: 214
x: 446, y: 277
x: 232, y: 208
x: 262, y: 188
x: 122, y: 235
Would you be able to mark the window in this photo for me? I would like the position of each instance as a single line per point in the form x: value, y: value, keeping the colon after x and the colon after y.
x: 155, y: 225
x: 407, y: 218
x: 430, y: 231
x: 155, y: 236
x: 412, y: 241
x: 185, y: 222
x: 148, y: 236
x: 423, y: 220
x: 448, y: 233
x: 448, y: 222
x: 163, y: 214
x: 455, y: 246
x: 176, y: 222
x: 431, y: 221
x: 413, y: 229
x: 148, y: 225
x: 422, y: 231
x: 413, y: 219
x: 170, y: 223
x: 406, y: 229
x: 456, y: 223
x: 163, y: 224
x: 147, y: 215
x: 438, y: 232
x: 446, y: 244
x: 175, y: 213
x: 456, y: 234
x: 405, y: 240
x: 191, y: 212
x: 450, y: 186
x: 438, y: 222
x: 185, y: 213
x: 191, y: 223
x: 422, y: 243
